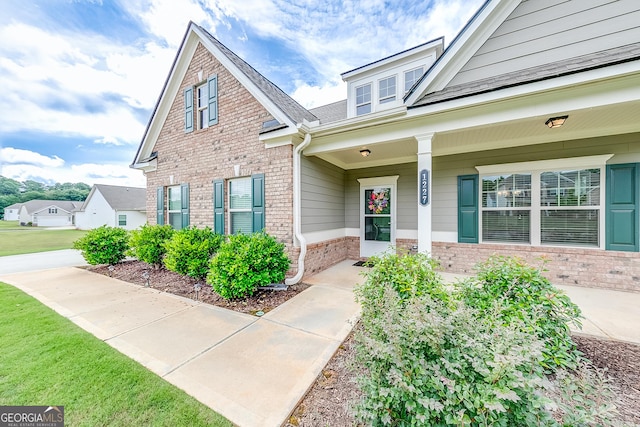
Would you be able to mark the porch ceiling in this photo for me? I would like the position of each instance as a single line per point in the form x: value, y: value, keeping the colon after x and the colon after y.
x: 582, y: 123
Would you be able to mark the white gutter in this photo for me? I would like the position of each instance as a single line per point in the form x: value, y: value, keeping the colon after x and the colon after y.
x: 297, y: 211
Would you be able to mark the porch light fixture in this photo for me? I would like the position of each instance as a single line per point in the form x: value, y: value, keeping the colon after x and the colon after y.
x: 365, y: 152
x: 556, y: 122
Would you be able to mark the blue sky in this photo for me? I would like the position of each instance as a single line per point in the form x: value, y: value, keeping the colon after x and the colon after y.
x: 81, y: 77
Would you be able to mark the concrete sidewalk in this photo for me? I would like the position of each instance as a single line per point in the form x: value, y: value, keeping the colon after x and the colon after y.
x: 252, y: 370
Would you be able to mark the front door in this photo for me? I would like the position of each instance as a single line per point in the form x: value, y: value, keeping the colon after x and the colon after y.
x: 377, y: 215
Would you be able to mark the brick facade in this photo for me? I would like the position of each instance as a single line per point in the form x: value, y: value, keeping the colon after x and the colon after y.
x: 591, y: 268
x: 204, y: 155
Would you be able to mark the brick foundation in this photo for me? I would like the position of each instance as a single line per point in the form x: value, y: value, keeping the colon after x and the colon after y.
x: 592, y: 268
x: 323, y: 255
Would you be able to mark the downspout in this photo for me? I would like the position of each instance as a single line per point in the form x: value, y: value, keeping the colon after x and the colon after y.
x: 297, y: 211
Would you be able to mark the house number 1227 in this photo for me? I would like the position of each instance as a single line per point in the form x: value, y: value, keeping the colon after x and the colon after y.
x: 424, y: 187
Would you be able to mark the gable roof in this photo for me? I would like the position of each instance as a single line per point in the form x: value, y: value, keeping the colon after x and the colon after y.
x: 33, y: 206
x: 120, y: 198
x: 591, y: 61
x: 294, y: 111
x: 281, y: 106
x: 13, y: 206
x: 509, y: 43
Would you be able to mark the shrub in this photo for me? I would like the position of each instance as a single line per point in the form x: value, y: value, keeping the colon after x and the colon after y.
x: 148, y: 243
x: 103, y: 245
x: 432, y: 362
x: 190, y: 249
x: 528, y: 297
x: 245, y: 262
x: 408, y: 274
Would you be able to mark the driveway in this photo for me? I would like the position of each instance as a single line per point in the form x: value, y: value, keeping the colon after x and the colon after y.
x: 40, y: 261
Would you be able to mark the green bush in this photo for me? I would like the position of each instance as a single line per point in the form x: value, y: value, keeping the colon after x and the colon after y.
x: 148, y: 243
x: 103, y: 245
x: 529, y: 297
x: 245, y: 262
x: 408, y: 274
x: 435, y: 363
x: 190, y: 249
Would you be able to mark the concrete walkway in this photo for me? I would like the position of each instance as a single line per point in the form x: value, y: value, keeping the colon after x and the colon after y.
x: 251, y: 370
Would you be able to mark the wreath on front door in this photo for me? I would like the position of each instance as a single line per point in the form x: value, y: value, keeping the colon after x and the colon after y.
x: 379, y: 201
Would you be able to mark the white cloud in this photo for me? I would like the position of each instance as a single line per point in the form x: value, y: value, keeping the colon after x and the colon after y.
x: 14, y: 156
x: 311, y: 96
x: 72, y: 84
x: 89, y: 173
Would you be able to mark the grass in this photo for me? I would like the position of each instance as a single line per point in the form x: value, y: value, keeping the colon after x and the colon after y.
x: 16, y: 240
x: 45, y: 359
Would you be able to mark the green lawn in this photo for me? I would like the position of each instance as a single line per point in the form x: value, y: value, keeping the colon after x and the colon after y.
x: 45, y: 359
x: 15, y: 240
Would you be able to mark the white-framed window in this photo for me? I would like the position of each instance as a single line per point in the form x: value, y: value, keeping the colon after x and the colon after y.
x: 557, y: 202
x: 387, y: 89
x: 202, y: 96
x: 174, y: 206
x: 122, y: 220
x: 363, y: 99
x: 240, y: 216
x: 53, y: 210
x: 506, y: 208
x: 411, y: 77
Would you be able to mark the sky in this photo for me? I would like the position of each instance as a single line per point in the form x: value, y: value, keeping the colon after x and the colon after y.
x: 80, y: 78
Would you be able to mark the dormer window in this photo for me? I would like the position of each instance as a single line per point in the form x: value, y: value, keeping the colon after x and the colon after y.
x: 363, y: 99
x: 387, y: 89
x: 411, y: 77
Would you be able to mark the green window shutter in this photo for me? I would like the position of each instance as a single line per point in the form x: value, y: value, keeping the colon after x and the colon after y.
x: 257, y: 201
x: 160, y: 205
x: 212, y: 86
x: 184, y: 200
x: 218, y: 207
x: 468, y: 209
x: 188, y: 110
x: 622, y: 199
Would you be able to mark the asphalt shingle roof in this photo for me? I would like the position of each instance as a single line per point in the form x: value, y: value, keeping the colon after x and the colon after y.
x: 331, y: 112
x: 288, y: 105
x: 37, y: 205
x: 556, y: 69
x: 124, y: 198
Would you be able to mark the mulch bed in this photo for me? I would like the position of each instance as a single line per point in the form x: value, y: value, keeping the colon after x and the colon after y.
x: 177, y: 284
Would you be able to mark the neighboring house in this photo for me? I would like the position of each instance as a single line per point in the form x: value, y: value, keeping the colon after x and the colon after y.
x: 114, y: 206
x: 521, y: 138
x: 48, y: 213
x: 12, y: 212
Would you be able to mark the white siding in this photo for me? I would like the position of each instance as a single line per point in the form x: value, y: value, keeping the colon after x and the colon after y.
x: 540, y: 32
x: 135, y: 219
x: 96, y: 213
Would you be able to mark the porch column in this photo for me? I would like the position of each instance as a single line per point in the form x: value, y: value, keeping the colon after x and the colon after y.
x: 425, y: 177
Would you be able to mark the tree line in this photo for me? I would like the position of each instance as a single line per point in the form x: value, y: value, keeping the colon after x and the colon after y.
x: 12, y: 191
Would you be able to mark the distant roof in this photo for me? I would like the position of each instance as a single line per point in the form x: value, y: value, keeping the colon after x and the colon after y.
x: 578, y: 64
x: 13, y: 206
x: 123, y: 198
x: 288, y: 105
x: 331, y: 112
x: 38, y: 205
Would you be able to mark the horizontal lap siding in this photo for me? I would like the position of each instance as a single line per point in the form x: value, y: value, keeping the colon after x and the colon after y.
x: 626, y: 148
x: 407, y: 193
x: 322, y: 203
x: 541, y: 32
